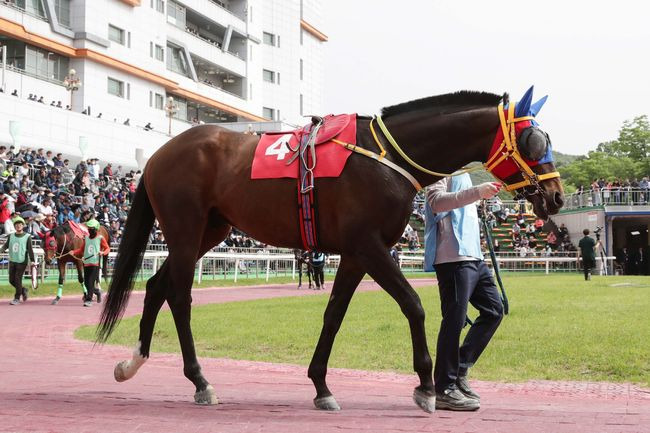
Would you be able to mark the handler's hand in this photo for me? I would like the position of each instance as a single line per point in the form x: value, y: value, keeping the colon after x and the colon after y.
x: 488, y: 189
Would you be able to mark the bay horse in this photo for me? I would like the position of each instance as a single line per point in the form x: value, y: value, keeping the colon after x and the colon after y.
x: 362, y: 214
x: 58, y: 243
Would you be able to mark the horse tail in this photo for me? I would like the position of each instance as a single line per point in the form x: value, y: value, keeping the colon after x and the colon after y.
x: 128, y: 260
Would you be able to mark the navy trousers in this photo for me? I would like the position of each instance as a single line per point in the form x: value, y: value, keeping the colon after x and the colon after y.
x: 461, y: 283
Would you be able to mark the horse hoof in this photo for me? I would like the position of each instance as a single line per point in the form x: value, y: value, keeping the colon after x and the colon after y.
x: 326, y: 403
x: 425, y: 401
x: 206, y: 397
x: 118, y: 373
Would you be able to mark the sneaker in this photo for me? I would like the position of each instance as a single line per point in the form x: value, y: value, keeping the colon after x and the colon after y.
x: 56, y: 300
x: 463, y: 386
x: 99, y: 296
x: 25, y: 296
x: 452, y: 399
x: 88, y: 303
x: 14, y: 302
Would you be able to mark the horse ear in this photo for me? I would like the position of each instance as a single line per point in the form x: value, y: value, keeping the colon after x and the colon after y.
x: 523, y: 106
x: 534, y: 108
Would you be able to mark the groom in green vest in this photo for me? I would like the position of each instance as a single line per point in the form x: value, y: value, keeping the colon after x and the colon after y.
x: 19, y: 245
x: 93, y: 247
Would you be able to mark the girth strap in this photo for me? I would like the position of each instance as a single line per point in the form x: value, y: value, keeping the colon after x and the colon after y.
x: 306, y: 198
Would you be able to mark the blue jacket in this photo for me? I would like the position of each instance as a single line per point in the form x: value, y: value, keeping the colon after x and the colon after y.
x: 465, y: 225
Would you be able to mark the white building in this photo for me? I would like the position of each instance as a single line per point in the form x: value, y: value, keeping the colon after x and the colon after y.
x: 220, y: 61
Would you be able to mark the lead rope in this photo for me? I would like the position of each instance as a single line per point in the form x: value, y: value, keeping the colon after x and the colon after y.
x: 495, y: 263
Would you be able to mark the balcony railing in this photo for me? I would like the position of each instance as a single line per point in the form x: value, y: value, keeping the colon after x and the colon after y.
x: 608, y: 197
x: 32, y: 74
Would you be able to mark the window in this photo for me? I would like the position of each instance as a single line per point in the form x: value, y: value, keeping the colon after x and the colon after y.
x: 160, y: 53
x: 62, y: 9
x: 268, y: 38
x: 269, y: 76
x: 176, y: 14
x: 33, y: 7
x: 115, y: 87
x: 160, y: 6
x: 176, y: 60
x: 35, y: 61
x: 250, y: 91
x: 301, y: 104
x: 160, y: 101
x: 268, y: 113
x: 151, y: 49
x: 116, y: 34
x: 301, y: 69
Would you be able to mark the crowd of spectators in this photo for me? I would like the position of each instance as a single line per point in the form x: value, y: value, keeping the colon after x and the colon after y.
x: 615, y: 191
x: 47, y: 191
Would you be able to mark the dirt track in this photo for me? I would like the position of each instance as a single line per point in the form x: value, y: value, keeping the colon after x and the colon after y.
x: 50, y: 382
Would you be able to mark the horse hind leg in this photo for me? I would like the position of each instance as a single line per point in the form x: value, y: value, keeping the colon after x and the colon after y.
x: 158, y: 290
x: 153, y: 300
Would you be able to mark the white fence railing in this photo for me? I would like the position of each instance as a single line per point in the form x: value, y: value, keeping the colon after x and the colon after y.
x: 234, y: 266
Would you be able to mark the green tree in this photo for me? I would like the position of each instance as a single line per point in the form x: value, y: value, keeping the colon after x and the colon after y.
x: 599, y: 164
x: 626, y: 157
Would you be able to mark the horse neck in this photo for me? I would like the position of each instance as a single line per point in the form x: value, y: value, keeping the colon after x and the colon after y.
x: 444, y: 142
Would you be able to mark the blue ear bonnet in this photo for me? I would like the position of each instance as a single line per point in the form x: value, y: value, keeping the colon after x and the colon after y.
x: 526, y: 107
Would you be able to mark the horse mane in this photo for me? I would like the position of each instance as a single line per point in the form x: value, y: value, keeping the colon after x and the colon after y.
x: 63, y: 229
x: 448, y: 103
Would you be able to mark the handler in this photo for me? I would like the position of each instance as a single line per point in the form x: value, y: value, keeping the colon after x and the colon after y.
x: 20, y: 249
x: 93, y: 247
x: 453, y: 247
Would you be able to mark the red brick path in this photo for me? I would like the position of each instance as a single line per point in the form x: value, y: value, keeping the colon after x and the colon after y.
x: 50, y: 382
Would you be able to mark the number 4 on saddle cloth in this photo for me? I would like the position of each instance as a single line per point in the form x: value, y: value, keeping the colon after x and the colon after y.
x: 306, y: 154
x: 276, y: 149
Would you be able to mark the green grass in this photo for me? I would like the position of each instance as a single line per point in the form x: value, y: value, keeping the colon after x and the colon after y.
x: 559, y: 328
x: 73, y: 287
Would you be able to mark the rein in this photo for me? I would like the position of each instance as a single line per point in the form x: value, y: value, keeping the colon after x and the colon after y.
x: 508, y: 149
x: 65, y: 239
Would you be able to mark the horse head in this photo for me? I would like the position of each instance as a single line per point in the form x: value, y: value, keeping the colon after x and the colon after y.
x: 53, y: 243
x: 521, y: 156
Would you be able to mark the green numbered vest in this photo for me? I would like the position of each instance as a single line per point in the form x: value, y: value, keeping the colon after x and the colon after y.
x: 18, y: 248
x: 91, y: 251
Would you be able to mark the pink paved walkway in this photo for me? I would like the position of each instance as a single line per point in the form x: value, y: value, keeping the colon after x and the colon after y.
x: 50, y: 382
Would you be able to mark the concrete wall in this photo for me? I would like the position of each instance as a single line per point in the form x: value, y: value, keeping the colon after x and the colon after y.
x: 39, y: 125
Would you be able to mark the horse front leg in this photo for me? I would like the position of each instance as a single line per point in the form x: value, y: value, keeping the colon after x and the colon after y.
x: 383, y: 269
x: 59, y: 291
x: 346, y: 281
x: 80, y: 277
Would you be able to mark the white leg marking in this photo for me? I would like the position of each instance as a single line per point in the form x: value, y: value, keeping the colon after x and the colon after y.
x: 125, y: 370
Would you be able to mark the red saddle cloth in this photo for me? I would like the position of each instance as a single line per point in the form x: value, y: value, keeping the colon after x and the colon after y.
x: 272, y: 153
x: 79, y: 230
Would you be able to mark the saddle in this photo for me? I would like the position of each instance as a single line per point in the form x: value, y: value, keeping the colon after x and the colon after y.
x: 79, y: 230
x: 301, y: 160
